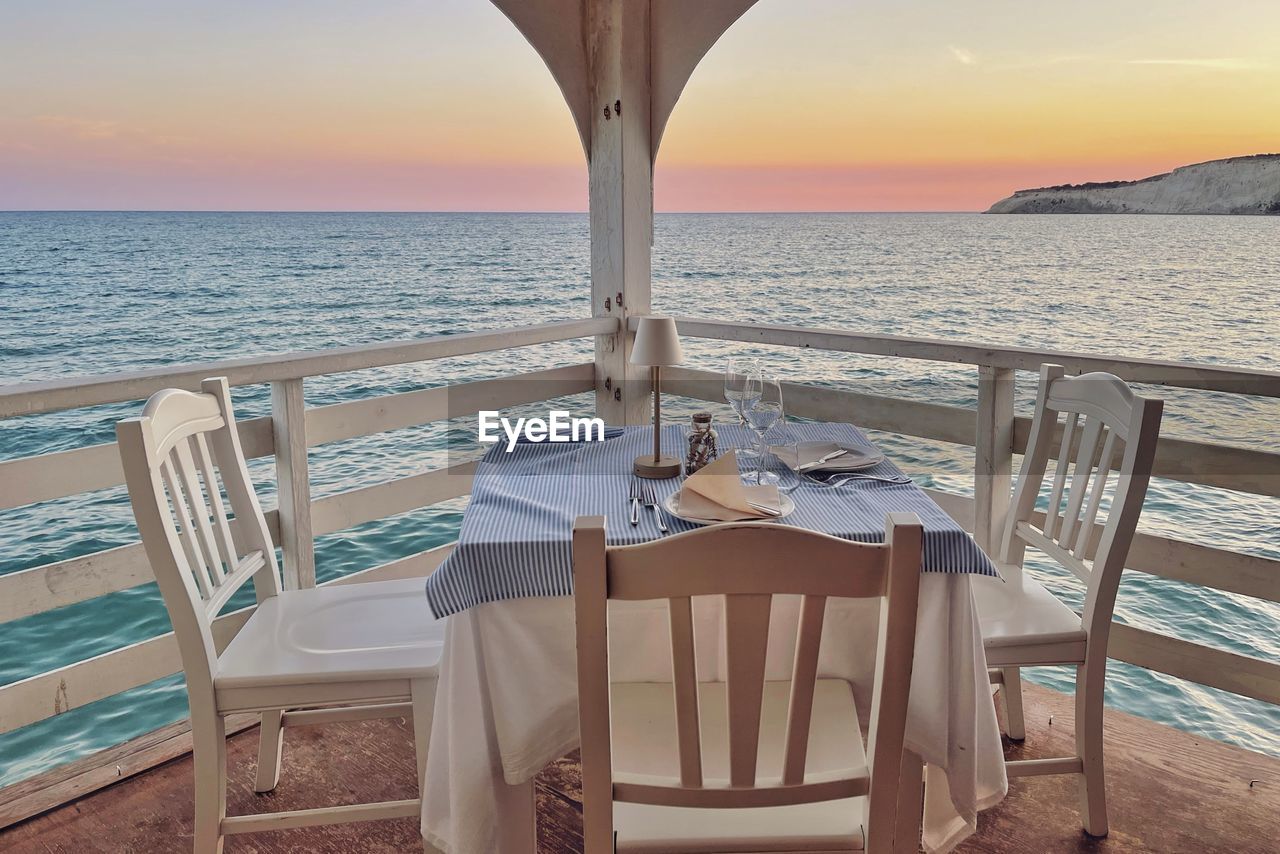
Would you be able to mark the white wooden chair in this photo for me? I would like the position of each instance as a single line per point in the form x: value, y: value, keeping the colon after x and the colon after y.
x: 746, y: 764
x: 304, y: 656
x: 1023, y: 624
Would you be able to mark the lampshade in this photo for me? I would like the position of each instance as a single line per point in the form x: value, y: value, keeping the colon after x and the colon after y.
x: 657, y: 342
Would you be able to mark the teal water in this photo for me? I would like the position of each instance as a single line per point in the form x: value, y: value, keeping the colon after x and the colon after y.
x: 85, y: 293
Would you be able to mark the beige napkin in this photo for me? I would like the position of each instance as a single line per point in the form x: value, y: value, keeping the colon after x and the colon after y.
x: 717, y: 492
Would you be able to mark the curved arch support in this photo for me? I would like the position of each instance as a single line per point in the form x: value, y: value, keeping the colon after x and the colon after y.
x: 557, y: 31
x: 683, y: 32
x: 680, y: 32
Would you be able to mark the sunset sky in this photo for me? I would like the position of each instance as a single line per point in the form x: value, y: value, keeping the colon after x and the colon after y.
x: 441, y: 105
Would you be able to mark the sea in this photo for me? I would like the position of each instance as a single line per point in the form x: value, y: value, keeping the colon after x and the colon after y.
x: 89, y: 293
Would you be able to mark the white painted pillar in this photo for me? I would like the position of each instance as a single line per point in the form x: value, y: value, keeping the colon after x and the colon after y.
x: 620, y: 160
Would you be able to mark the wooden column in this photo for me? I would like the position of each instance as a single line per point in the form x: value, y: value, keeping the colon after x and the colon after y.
x: 620, y: 158
x: 289, y: 428
x: 993, y: 455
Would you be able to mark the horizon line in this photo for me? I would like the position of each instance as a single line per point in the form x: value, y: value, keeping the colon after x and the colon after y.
x: 504, y: 212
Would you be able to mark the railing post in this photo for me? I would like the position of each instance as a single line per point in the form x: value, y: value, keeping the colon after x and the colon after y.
x: 289, y: 428
x: 993, y: 455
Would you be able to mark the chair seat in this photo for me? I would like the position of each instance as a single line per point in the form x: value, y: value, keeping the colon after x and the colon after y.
x: 644, y: 743
x: 378, y: 630
x: 1022, y: 614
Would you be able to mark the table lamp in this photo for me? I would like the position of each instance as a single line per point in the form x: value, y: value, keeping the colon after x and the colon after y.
x: 657, y: 345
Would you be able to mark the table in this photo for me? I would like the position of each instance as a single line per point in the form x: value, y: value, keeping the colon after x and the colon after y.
x: 507, y: 700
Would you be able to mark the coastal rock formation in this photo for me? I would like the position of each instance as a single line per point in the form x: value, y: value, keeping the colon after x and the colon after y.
x: 1237, y: 185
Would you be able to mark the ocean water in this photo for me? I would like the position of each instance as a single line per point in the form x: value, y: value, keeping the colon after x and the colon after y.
x: 84, y: 293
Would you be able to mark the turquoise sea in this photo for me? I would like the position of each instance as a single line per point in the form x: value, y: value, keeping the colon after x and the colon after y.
x: 86, y: 293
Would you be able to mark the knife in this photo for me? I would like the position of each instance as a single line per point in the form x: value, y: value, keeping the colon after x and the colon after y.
x: 764, y: 508
x: 824, y: 459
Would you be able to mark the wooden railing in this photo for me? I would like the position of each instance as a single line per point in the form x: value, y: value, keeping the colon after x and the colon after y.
x: 997, y: 435
x: 286, y: 434
x: 992, y: 429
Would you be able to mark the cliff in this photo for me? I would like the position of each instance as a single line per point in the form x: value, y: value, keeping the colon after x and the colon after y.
x: 1237, y: 185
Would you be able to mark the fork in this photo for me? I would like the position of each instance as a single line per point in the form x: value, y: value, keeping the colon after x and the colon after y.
x: 634, y: 497
x: 841, y: 480
x: 651, y: 501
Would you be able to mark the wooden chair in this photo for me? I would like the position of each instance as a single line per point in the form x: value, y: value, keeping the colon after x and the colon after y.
x: 1023, y: 624
x: 304, y: 656
x: 746, y: 764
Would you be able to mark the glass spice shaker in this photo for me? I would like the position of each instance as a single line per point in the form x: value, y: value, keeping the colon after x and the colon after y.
x: 702, y: 443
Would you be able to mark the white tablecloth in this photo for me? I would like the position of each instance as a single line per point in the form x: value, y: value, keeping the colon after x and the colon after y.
x: 507, y: 702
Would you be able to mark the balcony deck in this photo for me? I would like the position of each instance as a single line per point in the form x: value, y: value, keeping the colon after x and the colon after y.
x: 1168, y: 791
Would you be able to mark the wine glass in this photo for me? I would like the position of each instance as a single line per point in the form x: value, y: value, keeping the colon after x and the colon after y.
x: 742, y: 390
x: 764, y: 413
x: 784, y: 456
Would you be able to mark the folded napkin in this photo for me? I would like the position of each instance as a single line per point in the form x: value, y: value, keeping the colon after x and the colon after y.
x: 717, y: 492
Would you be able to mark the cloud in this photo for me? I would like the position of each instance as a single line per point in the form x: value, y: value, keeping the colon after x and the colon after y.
x: 1230, y: 63
x: 82, y: 128
x: 108, y: 132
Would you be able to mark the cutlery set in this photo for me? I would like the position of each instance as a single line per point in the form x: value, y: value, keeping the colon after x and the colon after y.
x: 644, y: 493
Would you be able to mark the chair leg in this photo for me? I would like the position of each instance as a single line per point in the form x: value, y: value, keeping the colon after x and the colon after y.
x: 209, y: 748
x: 517, y: 822
x: 1090, y: 679
x: 423, y: 694
x: 270, y: 747
x: 1011, y: 691
x: 906, y: 837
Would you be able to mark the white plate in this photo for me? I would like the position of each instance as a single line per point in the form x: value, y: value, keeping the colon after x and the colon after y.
x: 672, y: 502
x: 853, y: 458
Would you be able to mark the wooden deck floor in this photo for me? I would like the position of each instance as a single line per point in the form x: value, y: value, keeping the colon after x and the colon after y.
x: 1168, y: 792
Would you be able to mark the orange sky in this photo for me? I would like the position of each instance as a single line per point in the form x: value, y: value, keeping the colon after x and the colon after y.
x: 440, y: 105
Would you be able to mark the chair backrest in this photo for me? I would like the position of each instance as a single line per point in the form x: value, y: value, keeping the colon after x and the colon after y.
x: 1099, y: 419
x: 746, y: 563
x: 179, y: 459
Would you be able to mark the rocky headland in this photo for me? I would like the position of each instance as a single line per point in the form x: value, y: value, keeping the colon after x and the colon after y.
x: 1236, y: 185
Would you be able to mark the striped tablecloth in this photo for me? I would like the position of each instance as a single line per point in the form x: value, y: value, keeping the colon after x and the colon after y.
x: 516, y: 533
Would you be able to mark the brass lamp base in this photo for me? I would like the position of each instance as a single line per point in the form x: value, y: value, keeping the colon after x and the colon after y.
x: 658, y: 468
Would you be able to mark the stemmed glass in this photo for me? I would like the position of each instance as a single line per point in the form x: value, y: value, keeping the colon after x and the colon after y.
x: 742, y: 390
x: 784, y: 441
x: 765, y: 412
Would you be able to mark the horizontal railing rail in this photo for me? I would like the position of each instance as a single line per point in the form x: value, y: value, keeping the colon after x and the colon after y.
x: 71, y: 686
x: 78, y: 392
x: 45, y: 477
x: 1235, y: 380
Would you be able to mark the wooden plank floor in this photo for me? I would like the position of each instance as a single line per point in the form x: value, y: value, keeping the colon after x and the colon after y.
x: 1168, y: 792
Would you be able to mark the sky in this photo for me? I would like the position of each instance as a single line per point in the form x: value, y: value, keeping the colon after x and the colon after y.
x: 860, y: 105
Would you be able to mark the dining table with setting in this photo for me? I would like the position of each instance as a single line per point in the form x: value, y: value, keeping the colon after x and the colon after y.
x: 507, y: 701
